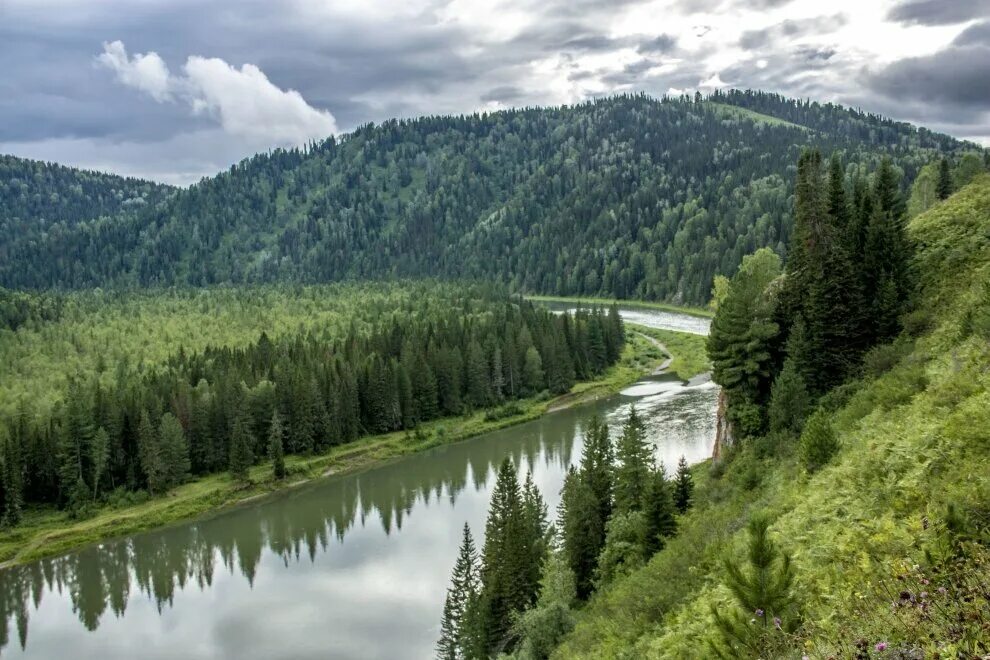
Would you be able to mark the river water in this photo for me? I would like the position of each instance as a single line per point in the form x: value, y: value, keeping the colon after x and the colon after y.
x: 351, y: 566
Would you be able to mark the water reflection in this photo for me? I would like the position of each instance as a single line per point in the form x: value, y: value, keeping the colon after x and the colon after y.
x: 353, y: 566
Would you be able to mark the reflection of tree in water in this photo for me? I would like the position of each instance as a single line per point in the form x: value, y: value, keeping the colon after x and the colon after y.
x: 299, y: 522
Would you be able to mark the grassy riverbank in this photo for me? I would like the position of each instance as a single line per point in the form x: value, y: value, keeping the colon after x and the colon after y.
x: 46, y: 532
x: 645, y: 304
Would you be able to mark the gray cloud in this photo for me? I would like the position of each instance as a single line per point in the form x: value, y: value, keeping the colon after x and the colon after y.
x: 663, y: 43
x: 939, y: 12
x: 790, y: 29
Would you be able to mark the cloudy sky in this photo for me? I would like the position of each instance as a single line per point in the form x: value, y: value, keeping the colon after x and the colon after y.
x: 175, y: 89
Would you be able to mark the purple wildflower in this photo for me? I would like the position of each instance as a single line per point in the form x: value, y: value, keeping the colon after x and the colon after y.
x: 776, y: 622
x: 759, y: 612
x: 881, y: 646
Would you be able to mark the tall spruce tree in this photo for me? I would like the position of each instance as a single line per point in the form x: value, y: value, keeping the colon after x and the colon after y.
x: 583, y: 531
x: 456, y: 629
x: 174, y: 450
x: 659, y: 513
x: 944, y: 186
x: 276, y: 448
x: 683, y: 486
x: 634, y: 458
x: 240, y: 455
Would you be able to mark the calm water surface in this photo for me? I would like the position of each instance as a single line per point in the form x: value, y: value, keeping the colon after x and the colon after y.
x: 354, y: 566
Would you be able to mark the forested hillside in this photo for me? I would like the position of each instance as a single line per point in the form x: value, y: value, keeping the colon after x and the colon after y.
x: 846, y: 513
x: 627, y: 196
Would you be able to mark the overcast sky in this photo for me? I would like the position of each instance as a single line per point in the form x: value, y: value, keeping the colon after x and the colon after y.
x: 174, y: 89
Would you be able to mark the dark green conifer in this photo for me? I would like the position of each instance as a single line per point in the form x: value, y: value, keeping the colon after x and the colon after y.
x: 276, y: 449
x: 944, y: 187
x: 240, y: 455
x: 683, y: 486
x: 634, y: 461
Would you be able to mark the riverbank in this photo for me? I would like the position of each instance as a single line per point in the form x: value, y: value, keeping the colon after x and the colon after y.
x: 643, y: 304
x: 48, y: 532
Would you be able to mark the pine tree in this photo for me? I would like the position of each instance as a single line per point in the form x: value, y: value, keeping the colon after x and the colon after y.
x: 240, y: 456
x: 634, y: 458
x: 683, y: 486
x: 944, y: 187
x: 12, y: 480
x: 455, y: 641
x: 597, y: 469
x: 762, y: 593
x: 478, y: 390
x: 276, y: 448
x: 838, y: 207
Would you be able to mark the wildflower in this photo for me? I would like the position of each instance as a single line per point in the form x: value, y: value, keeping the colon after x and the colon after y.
x: 942, y: 590
x: 776, y: 622
x: 759, y: 612
x: 881, y: 646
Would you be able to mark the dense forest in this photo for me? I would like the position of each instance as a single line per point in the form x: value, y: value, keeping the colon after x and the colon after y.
x: 792, y: 542
x: 225, y: 406
x: 627, y: 196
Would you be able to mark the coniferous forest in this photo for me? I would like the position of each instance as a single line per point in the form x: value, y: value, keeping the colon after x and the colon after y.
x: 626, y: 197
x: 224, y: 407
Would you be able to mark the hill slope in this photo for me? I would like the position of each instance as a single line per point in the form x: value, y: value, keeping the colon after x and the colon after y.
x: 890, y: 541
x: 625, y: 197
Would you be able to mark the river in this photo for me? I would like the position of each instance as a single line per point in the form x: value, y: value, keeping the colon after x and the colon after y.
x: 350, y: 566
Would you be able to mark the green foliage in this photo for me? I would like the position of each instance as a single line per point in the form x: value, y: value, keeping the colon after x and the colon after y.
x: 818, y: 441
x: 789, y: 400
x: 683, y: 486
x: 634, y: 462
x: 763, y: 593
x: 541, y: 627
x: 624, y: 549
x: 672, y: 192
x: 276, y: 448
x: 456, y: 628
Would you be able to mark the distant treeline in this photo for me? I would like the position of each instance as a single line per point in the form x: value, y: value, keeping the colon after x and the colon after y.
x: 226, y: 407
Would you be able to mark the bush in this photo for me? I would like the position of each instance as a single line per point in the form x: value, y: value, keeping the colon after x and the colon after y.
x: 504, y: 412
x: 818, y: 441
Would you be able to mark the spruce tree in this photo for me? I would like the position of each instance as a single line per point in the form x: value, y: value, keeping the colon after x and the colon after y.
x: 583, y: 531
x: 818, y: 441
x: 13, y: 468
x: 100, y: 457
x: 455, y: 641
x: 276, y: 448
x: 240, y: 455
x: 838, y: 207
x: 683, y: 486
x: 634, y: 457
x: 150, y: 453
x: 174, y: 450
x: 597, y: 469
x: 944, y: 187
x: 533, y: 377
x: 789, y: 400
x: 659, y: 513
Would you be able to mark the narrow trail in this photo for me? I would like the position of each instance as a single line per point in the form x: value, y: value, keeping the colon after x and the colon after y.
x: 670, y: 356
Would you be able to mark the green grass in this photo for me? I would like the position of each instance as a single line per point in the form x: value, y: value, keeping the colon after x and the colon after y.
x: 690, y: 357
x: 48, y: 532
x: 726, y: 109
x: 645, y: 304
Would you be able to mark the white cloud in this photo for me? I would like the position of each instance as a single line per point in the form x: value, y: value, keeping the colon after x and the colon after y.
x: 244, y: 101
x: 146, y: 72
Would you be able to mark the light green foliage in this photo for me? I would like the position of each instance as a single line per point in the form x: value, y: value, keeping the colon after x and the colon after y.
x: 898, y: 509
x: 623, y: 551
x: 818, y: 441
x: 789, y: 400
x: 543, y: 626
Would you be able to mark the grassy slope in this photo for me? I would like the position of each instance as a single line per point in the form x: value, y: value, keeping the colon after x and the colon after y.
x: 914, y: 439
x: 46, y: 532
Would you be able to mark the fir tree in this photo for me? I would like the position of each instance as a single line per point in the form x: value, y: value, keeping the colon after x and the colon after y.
x: 597, y: 469
x: 12, y: 479
x: 683, y: 486
x: 150, y: 451
x: 533, y: 371
x: 276, y: 449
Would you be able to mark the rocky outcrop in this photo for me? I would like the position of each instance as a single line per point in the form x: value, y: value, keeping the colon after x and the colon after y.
x: 724, y: 437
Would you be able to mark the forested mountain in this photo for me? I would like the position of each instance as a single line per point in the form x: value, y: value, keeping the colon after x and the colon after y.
x: 627, y: 196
